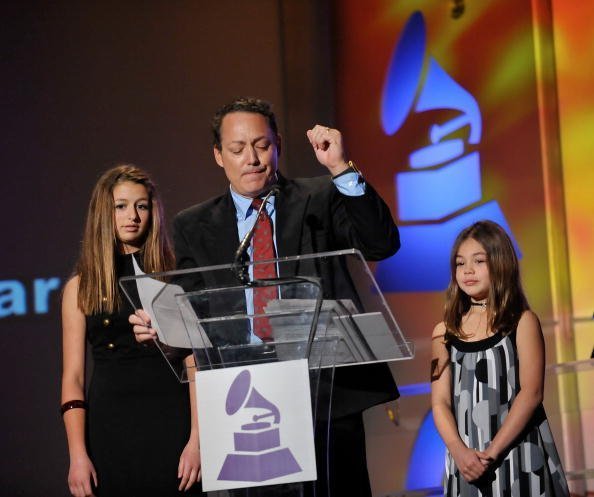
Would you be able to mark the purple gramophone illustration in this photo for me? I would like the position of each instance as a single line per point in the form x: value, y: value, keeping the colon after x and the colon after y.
x: 257, y: 455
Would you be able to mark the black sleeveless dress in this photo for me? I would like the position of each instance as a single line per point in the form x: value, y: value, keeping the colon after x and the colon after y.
x: 138, y: 418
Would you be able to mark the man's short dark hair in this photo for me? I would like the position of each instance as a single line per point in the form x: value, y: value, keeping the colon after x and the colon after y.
x: 243, y: 104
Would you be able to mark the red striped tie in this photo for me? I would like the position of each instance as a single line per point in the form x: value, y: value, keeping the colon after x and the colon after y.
x: 263, y: 249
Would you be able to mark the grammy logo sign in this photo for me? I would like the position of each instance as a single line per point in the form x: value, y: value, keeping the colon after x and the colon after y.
x: 258, y: 454
x: 256, y: 425
x: 441, y: 193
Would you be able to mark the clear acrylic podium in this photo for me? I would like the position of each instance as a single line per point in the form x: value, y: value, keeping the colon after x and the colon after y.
x: 328, y: 309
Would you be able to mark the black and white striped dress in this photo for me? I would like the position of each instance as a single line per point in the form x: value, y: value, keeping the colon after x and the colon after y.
x: 485, y: 382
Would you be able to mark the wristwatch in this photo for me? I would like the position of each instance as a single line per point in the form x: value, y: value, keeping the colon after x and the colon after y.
x: 351, y: 169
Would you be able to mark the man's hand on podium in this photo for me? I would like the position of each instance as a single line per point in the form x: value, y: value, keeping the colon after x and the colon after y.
x: 142, y: 326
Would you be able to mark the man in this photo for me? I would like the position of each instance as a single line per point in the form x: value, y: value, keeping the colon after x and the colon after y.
x: 339, y: 211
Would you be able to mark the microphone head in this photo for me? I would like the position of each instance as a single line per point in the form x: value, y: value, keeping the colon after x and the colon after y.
x: 274, y: 189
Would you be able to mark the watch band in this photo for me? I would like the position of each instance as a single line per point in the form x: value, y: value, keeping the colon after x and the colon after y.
x: 351, y: 169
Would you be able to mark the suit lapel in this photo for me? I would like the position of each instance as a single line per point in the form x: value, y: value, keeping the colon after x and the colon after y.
x: 291, y: 205
x: 220, y: 232
x: 220, y: 236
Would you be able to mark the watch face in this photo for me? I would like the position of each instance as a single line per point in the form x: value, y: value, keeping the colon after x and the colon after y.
x: 353, y: 166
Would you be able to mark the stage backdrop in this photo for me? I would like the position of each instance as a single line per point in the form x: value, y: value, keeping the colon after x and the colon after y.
x: 452, y: 111
x: 89, y: 84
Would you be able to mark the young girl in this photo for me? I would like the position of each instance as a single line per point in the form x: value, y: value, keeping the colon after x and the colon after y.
x: 487, y: 375
x: 133, y: 434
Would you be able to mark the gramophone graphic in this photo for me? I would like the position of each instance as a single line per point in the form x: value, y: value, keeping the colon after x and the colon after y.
x: 441, y: 193
x: 258, y: 454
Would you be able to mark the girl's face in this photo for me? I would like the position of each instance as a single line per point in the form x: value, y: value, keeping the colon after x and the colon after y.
x: 472, y: 270
x: 132, y: 212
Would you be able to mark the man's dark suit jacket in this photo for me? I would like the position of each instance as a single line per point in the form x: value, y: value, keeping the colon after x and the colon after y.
x: 311, y: 216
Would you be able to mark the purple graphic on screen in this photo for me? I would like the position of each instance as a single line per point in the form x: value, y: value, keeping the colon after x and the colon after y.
x: 257, y: 455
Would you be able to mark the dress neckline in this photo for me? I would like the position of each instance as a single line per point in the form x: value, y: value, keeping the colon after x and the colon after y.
x: 475, y: 346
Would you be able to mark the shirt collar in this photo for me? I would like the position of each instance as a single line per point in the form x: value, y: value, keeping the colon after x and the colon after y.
x: 243, y: 205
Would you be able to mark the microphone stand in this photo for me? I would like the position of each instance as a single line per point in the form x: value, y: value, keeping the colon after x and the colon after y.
x: 239, y: 266
x: 240, y: 270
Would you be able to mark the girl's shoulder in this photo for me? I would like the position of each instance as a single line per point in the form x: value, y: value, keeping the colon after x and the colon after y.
x: 530, y: 340
x: 439, y: 330
x: 528, y: 319
x: 70, y: 296
x: 528, y: 324
x: 71, y: 286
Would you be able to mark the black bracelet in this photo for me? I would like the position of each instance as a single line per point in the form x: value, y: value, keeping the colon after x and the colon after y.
x: 352, y: 168
x: 72, y: 404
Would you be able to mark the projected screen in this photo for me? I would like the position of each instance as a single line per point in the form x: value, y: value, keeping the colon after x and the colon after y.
x: 85, y: 86
x: 440, y: 100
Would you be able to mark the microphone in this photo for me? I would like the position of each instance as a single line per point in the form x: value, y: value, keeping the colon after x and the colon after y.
x: 239, y: 269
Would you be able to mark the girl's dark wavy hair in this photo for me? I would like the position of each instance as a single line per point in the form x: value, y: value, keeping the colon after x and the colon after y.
x: 506, y: 301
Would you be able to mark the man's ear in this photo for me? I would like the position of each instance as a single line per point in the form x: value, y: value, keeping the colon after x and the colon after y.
x: 279, y: 141
x: 218, y: 156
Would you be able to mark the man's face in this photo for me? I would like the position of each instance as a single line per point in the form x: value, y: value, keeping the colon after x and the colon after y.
x: 249, y: 153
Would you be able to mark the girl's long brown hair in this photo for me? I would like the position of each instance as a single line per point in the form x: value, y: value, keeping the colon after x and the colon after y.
x: 97, y: 290
x: 506, y: 301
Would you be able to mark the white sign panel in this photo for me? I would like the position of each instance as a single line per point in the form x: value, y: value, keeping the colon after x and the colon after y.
x: 256, y: 425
